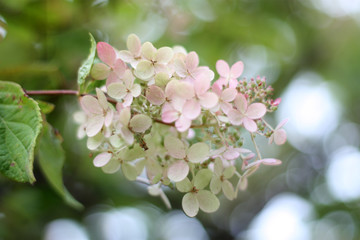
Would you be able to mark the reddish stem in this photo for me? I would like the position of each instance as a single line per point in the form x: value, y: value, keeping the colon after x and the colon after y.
x: 51, y: 92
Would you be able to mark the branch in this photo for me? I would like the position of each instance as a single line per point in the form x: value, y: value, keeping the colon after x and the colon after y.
x: 51, y: 92
x: 63, y: 92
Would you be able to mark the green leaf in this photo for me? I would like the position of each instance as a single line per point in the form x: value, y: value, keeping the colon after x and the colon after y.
x: 85, y: 68
x: 51, y: 159
x: 20, y: 124
x: 45, y: 107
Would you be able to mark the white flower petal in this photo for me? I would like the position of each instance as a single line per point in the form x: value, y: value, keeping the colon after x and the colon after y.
x: 127, y: 135
x: 198, y: 152
x: 215, y: 185
x: 208, y: 202
x: 184, y: 185
x: 202, y: 178
x: 95, y: 141
x: 175, y: 147
x: 228, y: 190
x: 133, y: 43
x: 102, y: 99
x: 190, y: 204
x: 111, y: 167
x: 117, y: 90
x: 100, y: 71
x: 94, y: 125
x: 102, y: 159
x: 148, y: 51
x: 90, y: 105
x: 135, y: 90
x: 144, y: 70
x: 140, y: 123
x: 129, y: 171
x: 178, y: 171
x: 164, y: 55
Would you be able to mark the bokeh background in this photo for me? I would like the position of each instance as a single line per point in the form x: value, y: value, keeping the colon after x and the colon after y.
x: 309, y: 50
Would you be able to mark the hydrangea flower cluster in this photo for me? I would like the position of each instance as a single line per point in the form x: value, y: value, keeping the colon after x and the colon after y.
x: 162, y: 119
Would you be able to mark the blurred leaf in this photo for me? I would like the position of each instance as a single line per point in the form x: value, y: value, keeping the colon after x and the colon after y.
x: 20, y: 124
x: 85, y: 68
x: 51, y: 159
x: 45, y: 107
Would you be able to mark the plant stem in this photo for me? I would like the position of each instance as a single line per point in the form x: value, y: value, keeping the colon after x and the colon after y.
x: 51, y: 92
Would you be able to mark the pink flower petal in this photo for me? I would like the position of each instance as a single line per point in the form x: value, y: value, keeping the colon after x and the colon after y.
x: 282, y: 123
x: 250, y: 124
x: 182, y: 124
x: 231, y: 154
x: 106, y: 53
x: 216, y: 88
x: 191, y: 61
x: 276, y: 102
x: 169, y: 114
x: 228, y: 95
x: 256, y: 111
x: 119, y: 68
x: 191, y: 109
x: 201, y: 85
x: 279, y: 136
x: 270, y: 161
x: 233, y: 83
x: 112, y: 78
x: 237, y: 69
x: 203, y: 73
x: 225, y: 107
x: 208, y: 100
x: 155, y: 95
x: 222, y: 68
x: 178, y: 171
x: 90, y: 105
x: 235, y: 117
x: 184, y: 90
x: 241, y: 103
x: 102, y: 159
